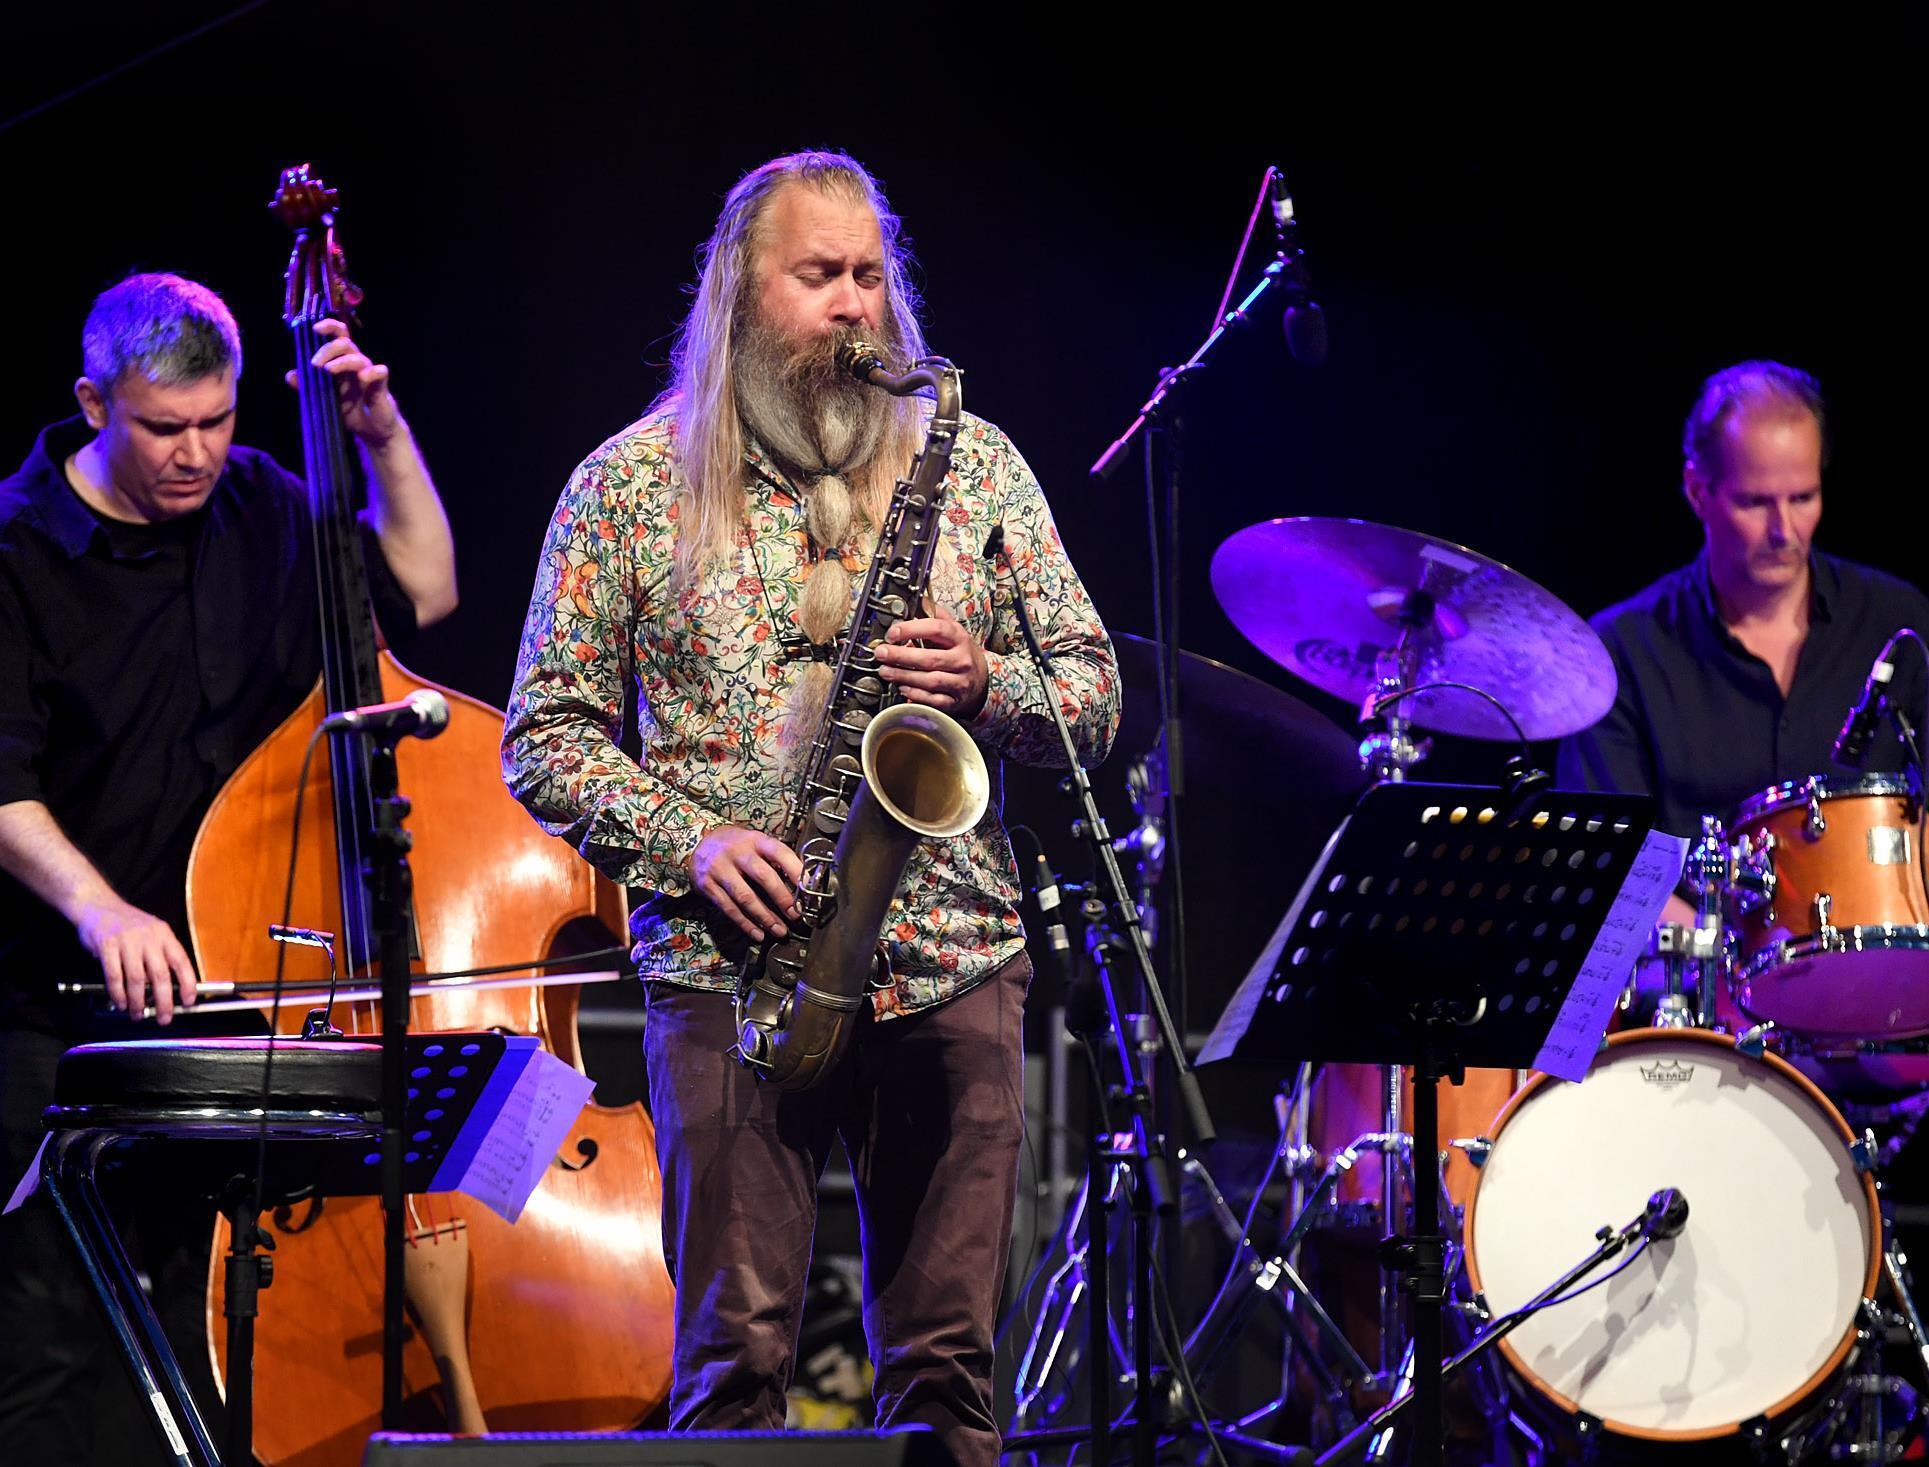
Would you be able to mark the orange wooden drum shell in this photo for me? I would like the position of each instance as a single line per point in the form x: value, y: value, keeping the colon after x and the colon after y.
x: 1862, y: 892
x: 1347, y: 1102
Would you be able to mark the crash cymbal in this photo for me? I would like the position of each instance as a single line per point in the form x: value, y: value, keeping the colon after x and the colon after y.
x: 1325, y: 597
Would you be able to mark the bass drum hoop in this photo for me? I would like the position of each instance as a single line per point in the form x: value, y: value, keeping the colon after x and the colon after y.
x: 1795, y: 1399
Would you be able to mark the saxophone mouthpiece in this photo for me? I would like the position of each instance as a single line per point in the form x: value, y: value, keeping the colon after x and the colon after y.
x: 860, y: 359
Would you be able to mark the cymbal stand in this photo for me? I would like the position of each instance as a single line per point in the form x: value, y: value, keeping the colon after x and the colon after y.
x: 1387, y: 753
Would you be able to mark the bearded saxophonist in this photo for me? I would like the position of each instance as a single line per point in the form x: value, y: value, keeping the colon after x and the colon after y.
x: 705, y: 559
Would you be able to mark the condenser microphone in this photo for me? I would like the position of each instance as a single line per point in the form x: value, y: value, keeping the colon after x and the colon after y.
x: 1304, y: 321
x: 1851, y: 748
x: 1051, y: 907
x: 421, y: 715
x: 1667, y: 1214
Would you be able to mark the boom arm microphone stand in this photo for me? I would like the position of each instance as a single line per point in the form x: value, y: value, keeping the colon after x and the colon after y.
x: 1162, y: 417
x: 1153, y: 1186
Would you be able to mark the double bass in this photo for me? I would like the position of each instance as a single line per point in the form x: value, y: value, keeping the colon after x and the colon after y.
x: 562, y: 1322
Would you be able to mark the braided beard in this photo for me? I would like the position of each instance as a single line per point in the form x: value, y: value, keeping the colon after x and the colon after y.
x: 803, y: 407
x: 824, y: 426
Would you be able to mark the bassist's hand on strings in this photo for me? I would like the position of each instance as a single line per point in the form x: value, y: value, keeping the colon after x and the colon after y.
x: 751, y: 877
x: 368, y: 409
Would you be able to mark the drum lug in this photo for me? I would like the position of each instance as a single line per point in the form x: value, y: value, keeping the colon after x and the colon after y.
x: 1863, y: 1152
x: 1824, y: 929
x: 1753, y: 880
x: 1588, y: 1431
x: 1475, y: 1148
x: 1753, y: 1042
x: 1755, y: 1432
x: 1815, y: 826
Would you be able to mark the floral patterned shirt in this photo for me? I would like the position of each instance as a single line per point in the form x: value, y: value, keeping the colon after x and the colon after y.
x: 711, y: 681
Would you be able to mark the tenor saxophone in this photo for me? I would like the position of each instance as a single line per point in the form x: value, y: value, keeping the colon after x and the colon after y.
x: 880, y: 776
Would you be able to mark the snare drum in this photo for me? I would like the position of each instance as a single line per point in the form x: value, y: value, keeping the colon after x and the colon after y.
x: 1837, y: 944
x: 1750, y: 1313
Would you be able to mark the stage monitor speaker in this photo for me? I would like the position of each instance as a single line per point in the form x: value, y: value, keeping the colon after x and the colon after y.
x: 905, y: 1446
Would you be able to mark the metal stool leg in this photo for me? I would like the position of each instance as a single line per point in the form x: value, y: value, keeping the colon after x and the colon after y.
x: 68, y: 1176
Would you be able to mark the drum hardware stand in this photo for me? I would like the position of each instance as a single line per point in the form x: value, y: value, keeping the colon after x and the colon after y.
x: 1276, y: 1279
x: 1355, y: 973
x: 1133, y: 1150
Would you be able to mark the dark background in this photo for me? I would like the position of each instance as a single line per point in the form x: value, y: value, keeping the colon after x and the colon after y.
x: 1532, y: 239
x: 1532, y: 242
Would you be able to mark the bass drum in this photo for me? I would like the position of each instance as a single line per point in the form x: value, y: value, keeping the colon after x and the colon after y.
x: 1749, y: 1315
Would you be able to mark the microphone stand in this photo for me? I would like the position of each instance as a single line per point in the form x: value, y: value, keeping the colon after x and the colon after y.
x: 1143, y: 1154
x: 391, y: 884
x: 1164, y: 410
x: 1647, y: 1226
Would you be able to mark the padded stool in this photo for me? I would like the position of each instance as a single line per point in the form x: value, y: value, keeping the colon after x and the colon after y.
x: 206, y: 1098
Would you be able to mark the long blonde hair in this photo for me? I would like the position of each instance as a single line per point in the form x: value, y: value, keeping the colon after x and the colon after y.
x: 703, y: 386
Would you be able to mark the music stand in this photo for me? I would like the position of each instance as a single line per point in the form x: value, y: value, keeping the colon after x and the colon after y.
x: 1447, y: 926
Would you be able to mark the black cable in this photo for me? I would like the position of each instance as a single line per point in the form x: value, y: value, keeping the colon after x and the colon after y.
x: 1236, y: 1267
x: 1165, y: 1322
x: 60, y: 98
x: 1527, y: 1313
x: 1382, y: 704
x: 274, y: 1006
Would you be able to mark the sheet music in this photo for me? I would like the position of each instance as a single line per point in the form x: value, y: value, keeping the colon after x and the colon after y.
x: 1575, y: 1037
x: 30, y: 1183
x: 1238, y: 1014
x: 524, y: 1121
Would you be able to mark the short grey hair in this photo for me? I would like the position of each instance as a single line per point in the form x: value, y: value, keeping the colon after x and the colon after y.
x: 1747, y: 386
x: 169, y: 329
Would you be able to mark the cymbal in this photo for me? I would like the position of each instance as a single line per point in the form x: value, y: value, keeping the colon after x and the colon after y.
x: 1324, y: 597
x: 1237, y: 731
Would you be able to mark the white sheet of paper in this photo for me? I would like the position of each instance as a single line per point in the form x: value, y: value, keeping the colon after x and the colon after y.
x: 522, y: 1137
x: 30, y: 1183
x: 1575, y: 1037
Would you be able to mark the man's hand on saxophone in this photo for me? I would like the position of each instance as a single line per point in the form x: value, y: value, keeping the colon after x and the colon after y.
x: 933, y: 660
x: 750, y: 876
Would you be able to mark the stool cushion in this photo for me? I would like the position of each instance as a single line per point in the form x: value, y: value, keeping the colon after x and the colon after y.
x: 307, y: 1074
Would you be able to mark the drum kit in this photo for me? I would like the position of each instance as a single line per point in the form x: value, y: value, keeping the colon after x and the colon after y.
x: 1759, y: 1332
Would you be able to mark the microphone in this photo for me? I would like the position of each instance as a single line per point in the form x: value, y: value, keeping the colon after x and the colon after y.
x: 1851, y: 748
x: 421, y: 715
x: 995, y: 542
x: 1666, y: 1215
x: 1305, y: 321
x: 1051, y: 908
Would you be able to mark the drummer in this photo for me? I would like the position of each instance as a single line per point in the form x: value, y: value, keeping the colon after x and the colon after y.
x: 1737, y: 670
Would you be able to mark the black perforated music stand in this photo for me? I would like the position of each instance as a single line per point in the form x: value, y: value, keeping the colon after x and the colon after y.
x: 1443, y: 928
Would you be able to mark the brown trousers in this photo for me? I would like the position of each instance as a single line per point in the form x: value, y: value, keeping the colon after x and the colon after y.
x: 930, y: 1108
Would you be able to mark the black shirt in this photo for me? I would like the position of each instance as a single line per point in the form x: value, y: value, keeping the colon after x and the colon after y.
x: 1699, y: 721
x: 139, y: 665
